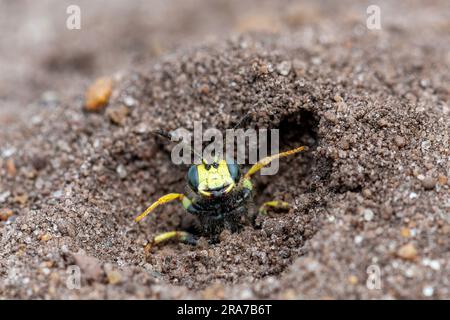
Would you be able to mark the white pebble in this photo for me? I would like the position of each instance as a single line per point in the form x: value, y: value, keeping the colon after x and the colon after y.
x: 4, y: 196
x: 246, y: 294
x: 358, y: 239
x: 121, y: 171
x: 428, y: 291
x: 284, y: 68
x: 368, y: 215
x: 57, y: 194
x: 6, y: 153
x: 129, y: 101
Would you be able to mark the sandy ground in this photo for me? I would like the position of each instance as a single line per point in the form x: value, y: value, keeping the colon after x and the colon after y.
x: 370, y: 195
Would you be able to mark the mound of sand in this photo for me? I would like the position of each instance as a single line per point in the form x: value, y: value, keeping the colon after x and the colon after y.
x: 371, y: 193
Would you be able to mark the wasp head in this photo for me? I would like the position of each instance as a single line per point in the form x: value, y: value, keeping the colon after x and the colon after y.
x: 214, y: 179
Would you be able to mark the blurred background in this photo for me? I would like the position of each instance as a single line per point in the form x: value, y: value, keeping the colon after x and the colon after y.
x: 40, y: 56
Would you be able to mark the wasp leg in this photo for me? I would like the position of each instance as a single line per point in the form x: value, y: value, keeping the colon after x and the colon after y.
x: 181, y: 236
x: 164, y: 199
x: 265, y: 161
x: 273, y: 204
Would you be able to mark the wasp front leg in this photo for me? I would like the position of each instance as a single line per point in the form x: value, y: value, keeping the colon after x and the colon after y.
x: 187, y: 203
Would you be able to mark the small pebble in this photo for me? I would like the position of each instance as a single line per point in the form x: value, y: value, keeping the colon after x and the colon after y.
x: 4, y: 195
x: 344, y: 144
x: 387, y: 211
x: 98, y: 94
x: 428, y: 183
x: 425, y: 145
x: 368, y: 214
x: 358, y: 239
x: 399, y: 141
x: 407, y: 252
x: 284, y: 68
x: 330, y: 116
x: 21, y: 199
x: 428, y: 291
x: 90, y: 266
x: 405, y: 233
x: 204, y: 89
x: 5, y: 213
x: 114, y: 277
x: 353, y: 280
x: 45, y: 237
x: 246, y: 294
x: 129, y: 101
x: 433, y: 264
x: 263, y: 69
x: 118, y: 114
x: 382, y: 123
x: 57, y: 194
x: 289, y: 294
x: 11, y: 168
x: 442, y: 179
x: 121, y: 171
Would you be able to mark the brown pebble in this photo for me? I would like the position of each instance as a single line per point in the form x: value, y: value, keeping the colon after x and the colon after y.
x: 445, y: 229
x: 353, y: 280
x: 118, y: 114
x: 442, y: 180
x: 428, y: 183
x: 344, y: 144
x: 289, y: 294
x: 366, y: 193
x: 330, y: 116
x: 5, y: 213
x: 11, y: 167
x: 114, y: 277
x: 203, y: 89
x: 21, y: 199
x: 407, y: 252
x: 399, y: 141
x: 338, y: 98
x: 98, y: 94
x: 215, y: 291
x: 264, y: 69
x: 405, y: 233
x: 39, y: 163
x: 386, y: 212
x: 90, y: 266
x: 429, y: 165
x: 382, y: 123
x: 45, y: 237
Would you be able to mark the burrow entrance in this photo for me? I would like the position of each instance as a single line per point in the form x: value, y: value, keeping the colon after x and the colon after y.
x: 268, y: 249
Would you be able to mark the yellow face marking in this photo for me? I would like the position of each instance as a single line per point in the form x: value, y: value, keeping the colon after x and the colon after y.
x: 214, y: 178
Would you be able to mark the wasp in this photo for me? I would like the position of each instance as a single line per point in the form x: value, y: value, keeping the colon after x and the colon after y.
x: 218, y: 195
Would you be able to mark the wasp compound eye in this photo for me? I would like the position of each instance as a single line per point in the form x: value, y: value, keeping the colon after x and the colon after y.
x: 192, y: 177
x: 234, y: 170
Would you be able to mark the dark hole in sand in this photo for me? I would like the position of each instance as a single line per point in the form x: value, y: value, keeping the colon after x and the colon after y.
x: 254, y: 253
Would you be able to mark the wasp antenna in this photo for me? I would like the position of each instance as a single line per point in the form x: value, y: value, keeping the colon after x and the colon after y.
x: 170, y: 136
x: 165, y: 134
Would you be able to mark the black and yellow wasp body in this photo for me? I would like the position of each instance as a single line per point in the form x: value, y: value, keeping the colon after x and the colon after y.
x: 219, y: 197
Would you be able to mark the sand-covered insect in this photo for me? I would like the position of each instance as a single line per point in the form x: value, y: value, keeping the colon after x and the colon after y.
x: 218, y: 195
